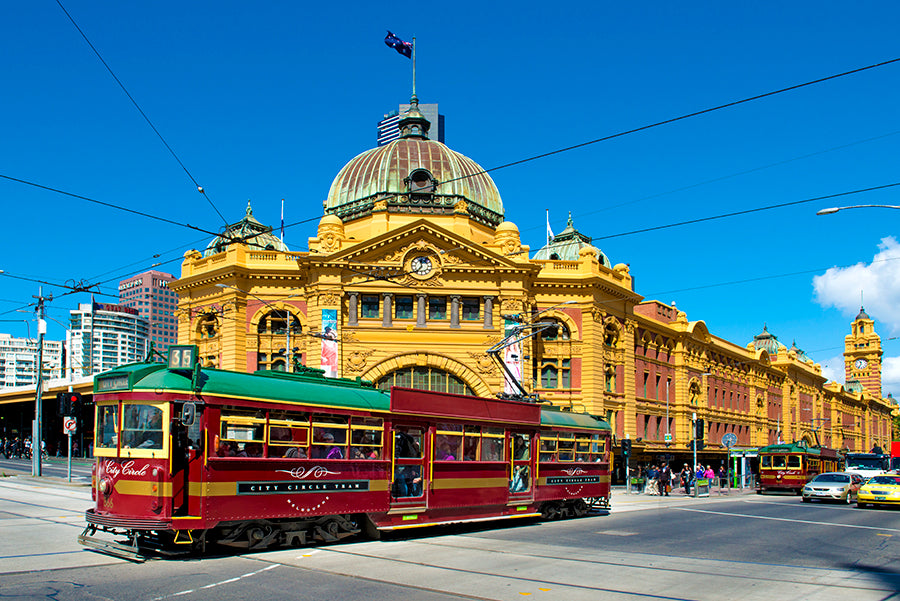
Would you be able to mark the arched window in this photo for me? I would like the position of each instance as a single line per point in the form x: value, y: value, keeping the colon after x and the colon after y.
x: 421, y: 181
x: 275, y: 341
x: 424, y: 378
x: 557, y: 330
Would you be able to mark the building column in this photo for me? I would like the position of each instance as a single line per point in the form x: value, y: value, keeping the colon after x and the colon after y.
x: 488, y: 312
x: 454, y: 311
x: 353, y: 316
x: 420, y: 310
x: 388, y: 309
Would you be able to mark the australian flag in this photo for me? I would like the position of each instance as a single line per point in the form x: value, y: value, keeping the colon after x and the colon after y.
x: 404, y: 48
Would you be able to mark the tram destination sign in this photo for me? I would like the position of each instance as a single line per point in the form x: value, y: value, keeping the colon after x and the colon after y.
x: 276, y: 488
x: 119, y: 382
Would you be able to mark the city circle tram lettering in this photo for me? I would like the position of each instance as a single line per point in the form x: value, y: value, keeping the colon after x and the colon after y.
x: 573, y: 479
x: 277, y: 488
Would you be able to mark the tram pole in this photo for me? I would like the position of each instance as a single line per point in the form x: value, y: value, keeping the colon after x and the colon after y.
x: 37, y: 427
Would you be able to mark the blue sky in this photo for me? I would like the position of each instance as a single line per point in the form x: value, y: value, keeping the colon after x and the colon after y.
x: 269, y: 102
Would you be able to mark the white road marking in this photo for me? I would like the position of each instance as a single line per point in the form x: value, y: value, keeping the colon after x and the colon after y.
x: 762, y: 517
x: 215, y: 584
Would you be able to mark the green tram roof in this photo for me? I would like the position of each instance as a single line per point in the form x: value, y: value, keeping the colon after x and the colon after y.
x: 793, y: 447
x: 308, y: 387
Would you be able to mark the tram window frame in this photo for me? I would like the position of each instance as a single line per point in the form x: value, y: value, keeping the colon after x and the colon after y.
x: 765, y: 462
x: 161, y: 449
x: 548, y: 447
x: 108, y: 445
x: 565, y: 449
x: 366, y: 437
x: 241, y: 432
x: 582, y: 448
x: 296, y: 427
x: 778, y: 462
x: 450, y: 435
x: 794, y: 462
x: 338, y: 427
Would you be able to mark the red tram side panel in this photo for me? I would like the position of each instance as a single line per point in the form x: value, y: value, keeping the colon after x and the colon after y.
x: 260, y: 460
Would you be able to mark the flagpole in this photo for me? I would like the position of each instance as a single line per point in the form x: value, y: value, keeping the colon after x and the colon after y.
x: 414, y: 65
x: 282, y: 221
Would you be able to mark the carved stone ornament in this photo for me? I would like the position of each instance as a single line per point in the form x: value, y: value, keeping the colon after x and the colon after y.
x: 356, y: 361
x: 349, y: 336
x: 461, y: 207
x: 510, y: 306
x: 330, y: 242
x: 482, y: 363
x: 380, y: 205
x: 329, y: 298
x: 598, y: 314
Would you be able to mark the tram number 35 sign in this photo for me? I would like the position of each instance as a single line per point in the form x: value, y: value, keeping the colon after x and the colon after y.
x: 70, y: 424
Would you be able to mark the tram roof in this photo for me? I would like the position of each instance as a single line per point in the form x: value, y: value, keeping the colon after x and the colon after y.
x: 793, y: 447
x: 551, y: 416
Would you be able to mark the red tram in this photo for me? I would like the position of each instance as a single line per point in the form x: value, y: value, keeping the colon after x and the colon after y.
x: 188, y: 457
x: 789, y: 466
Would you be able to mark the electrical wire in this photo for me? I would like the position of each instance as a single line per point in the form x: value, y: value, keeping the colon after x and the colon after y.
x: 143, y: 114
x: 108, y: 205
x: 676, y: 119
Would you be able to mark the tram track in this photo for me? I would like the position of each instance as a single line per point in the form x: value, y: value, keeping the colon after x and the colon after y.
x: 644, y: 569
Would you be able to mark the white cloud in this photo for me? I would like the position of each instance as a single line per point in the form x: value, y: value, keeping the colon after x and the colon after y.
x: 833, y: 369
x: 890, y: 376
x: 879, y: 281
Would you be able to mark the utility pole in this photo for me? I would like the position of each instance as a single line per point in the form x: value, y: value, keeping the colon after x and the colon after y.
x: 37, y: 428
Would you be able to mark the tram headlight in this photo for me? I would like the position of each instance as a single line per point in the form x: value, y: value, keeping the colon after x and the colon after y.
x: 104, y: 487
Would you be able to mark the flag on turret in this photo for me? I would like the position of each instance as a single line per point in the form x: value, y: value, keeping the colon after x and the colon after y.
x: 404, y: 48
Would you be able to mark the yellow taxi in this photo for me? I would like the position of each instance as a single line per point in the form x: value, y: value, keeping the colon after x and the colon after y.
x: 883, y: 489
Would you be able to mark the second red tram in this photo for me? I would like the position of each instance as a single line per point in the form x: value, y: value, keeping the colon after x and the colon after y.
x: 188, y: 457
x: 789, y: 466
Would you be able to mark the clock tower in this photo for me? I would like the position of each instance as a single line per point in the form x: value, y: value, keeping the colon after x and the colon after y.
x: 862, y: 355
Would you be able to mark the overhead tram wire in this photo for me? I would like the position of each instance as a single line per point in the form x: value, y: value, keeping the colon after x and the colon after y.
x: 676, y: 119
x: 144, y: 115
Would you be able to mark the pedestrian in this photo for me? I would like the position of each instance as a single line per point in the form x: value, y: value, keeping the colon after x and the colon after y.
x: 665, y: 480
x: 686, y: 476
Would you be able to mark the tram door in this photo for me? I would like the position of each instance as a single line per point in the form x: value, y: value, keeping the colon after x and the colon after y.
x: 187, y: 461
x: 409, y: 480
x: 521, y: 466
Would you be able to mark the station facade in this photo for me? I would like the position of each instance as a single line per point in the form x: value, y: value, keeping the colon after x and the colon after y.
x: 414, y: 274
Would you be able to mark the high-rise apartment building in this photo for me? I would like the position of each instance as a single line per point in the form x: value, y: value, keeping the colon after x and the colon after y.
x: 148, y: 293
x: 389, y: 129
x: 103, y: 336
x: 19, y: 359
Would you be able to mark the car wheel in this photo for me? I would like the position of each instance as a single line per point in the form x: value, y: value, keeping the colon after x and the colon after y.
x: 805, y: 499
x: 847, y: 499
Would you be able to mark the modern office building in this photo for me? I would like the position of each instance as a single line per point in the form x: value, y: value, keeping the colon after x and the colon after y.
x: 103, y: 336
x: 389, y: 127
x: 149, y: 294
x: 19, y: 359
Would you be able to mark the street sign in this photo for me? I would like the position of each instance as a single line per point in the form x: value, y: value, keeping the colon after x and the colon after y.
x: 668, y: 438
x: 729, y: 439
x: 70, y: 424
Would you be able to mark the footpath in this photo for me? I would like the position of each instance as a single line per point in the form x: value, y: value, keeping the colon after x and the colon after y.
x: 622, y: 500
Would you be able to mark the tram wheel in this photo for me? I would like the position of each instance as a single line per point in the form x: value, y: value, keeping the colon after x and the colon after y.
x: 550, y: 511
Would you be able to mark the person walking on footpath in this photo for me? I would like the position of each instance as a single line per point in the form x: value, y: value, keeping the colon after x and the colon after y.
x: 665, y: 480
x: 686, y: 475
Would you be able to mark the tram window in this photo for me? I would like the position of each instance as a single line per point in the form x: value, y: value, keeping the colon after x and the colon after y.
x: 408, y: 443
x: 583, y: 449
x: 548, y: 447
x: 366, y: 437
x: 766, y: 461
x: 813, y: 465
x: 448, y: 443
x: 242, y: 426
x: 107, y: 427
x: 492, y: 444
x: 566, y: 449
x: 521, y: 447
x: 793, y: 461
x: 472, y: 443
x: 778, y: 461
x: 142, y: 427
x: 598, y: 448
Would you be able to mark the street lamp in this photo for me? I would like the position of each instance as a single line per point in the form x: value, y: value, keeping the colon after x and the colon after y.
x: 288, y: 320
x: 831, y: 210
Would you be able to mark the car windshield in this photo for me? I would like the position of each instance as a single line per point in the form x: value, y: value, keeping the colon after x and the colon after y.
x: 832, y: 478
x: 885, y: 480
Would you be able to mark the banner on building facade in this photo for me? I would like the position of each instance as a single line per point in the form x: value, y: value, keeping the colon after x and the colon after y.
x: 512, y: 357
x: 329, y: 343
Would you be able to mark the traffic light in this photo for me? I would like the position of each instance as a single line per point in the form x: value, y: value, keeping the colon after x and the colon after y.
x: 699, y: 431
x: 68, y: 403
x: 626, y: 447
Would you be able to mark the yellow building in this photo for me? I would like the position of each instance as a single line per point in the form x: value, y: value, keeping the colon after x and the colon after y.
x: 414, y: 274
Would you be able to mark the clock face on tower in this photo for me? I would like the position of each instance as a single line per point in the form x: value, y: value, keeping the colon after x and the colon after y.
x: 860, y: 363
x: 420, y: 266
